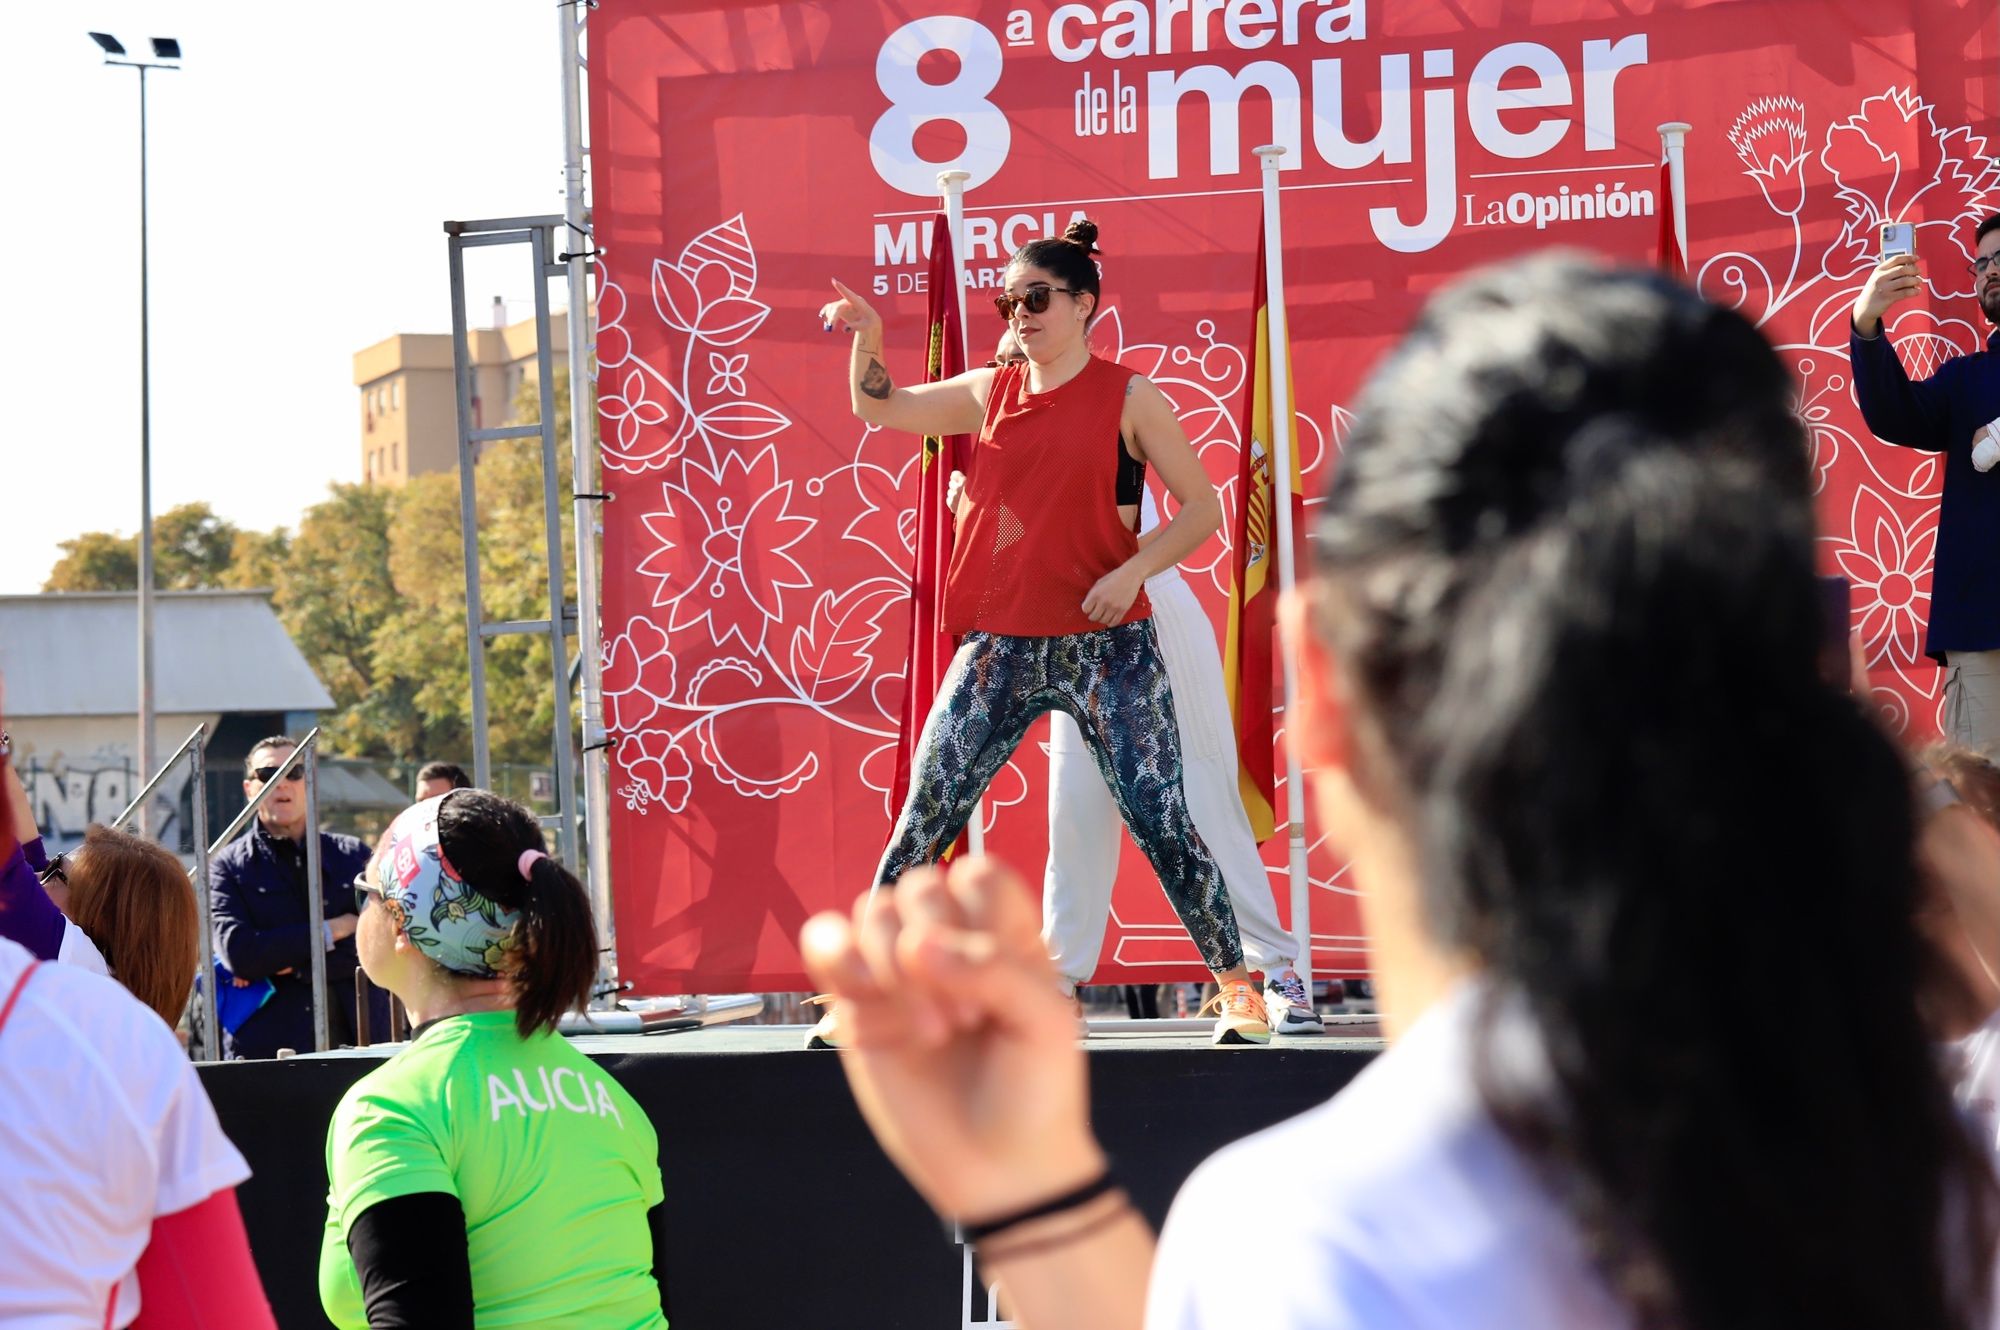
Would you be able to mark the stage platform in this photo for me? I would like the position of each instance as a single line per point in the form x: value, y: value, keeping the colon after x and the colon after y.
x: 783, y: 1213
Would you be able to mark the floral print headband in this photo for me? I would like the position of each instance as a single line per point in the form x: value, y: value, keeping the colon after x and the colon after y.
x: 443, y: 914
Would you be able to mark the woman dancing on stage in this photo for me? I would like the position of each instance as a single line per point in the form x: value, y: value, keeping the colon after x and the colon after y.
x: 1046, y: 585
x: 1083, y: 818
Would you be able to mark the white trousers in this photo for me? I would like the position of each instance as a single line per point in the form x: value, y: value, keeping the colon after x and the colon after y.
x: 1085, y: 832
x: 1971, y: 700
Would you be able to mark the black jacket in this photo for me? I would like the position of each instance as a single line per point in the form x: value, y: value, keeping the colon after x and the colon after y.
x: 257, y: 891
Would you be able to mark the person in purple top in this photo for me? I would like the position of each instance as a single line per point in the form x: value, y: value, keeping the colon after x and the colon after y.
x: 1951, y: 412
x: 28, y: 913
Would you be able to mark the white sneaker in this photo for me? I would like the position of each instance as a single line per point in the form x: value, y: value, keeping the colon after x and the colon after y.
x: 1289, y: 1005
x: 1074, y: 996
x: 825, y: 1034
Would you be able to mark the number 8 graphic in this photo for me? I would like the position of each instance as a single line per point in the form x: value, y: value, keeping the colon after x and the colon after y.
x: 913, y: 102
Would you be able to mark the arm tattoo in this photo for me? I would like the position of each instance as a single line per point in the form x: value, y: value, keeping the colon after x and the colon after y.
x: 875, y: 381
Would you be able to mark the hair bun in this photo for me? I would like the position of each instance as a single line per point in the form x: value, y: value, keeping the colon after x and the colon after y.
x: 1083, y: 234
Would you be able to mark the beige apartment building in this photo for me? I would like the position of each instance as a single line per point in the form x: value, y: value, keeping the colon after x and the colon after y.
x: 409, y: 415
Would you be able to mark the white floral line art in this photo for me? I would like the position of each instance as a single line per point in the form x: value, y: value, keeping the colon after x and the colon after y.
x: 731, y: 591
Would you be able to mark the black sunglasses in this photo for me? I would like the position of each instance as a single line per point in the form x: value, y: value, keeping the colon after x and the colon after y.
x: 1035, y: 299
x: 56, y: 869
x: 264, y: 774
x: 363, y: 889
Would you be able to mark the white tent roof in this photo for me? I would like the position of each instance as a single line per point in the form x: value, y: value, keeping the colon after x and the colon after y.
x: 76, y: 654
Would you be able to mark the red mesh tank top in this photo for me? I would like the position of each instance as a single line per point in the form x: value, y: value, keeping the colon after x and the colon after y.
x: 1044, y: 522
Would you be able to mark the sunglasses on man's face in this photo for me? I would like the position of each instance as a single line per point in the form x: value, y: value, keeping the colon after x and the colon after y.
x: 363, y: 889
x: 264, y: 774
x: 1035, y: 299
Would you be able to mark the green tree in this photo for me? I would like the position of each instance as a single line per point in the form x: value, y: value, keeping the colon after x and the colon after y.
x: 423, y: 641
x: 192, y: 548
x: 95, y: 561
x: 257, y: 559
x: 333, y: 594
x: 513, y: 556
x: 372, y: 589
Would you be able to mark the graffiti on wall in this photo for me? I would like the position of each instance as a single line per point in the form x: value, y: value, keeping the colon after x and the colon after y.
x: 69, y: 793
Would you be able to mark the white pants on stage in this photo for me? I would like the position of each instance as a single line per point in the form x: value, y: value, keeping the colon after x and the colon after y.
x: 1971, y: 700
x: 1086, y: 833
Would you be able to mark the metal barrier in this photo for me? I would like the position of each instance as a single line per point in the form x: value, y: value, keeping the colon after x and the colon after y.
x: 308, y: 753
x: 192, y: 749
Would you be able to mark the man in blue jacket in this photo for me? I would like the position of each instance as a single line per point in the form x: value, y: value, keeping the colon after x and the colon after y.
x: 1948, y: 413
x: 257, y: 888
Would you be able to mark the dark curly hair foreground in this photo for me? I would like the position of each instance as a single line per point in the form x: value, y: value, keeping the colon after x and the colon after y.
x: 1566, y: 569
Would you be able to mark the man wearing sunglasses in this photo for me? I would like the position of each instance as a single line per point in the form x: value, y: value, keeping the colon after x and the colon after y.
x: 257, y: 888
x: 1951, y: 412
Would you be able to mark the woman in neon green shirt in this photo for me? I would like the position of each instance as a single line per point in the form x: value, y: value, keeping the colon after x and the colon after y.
x: 488, y: 1174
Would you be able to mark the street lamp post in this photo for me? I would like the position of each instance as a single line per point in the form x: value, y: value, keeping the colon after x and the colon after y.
x: 166, y: 55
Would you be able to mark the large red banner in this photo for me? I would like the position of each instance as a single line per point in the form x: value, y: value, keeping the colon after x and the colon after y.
x: 758, y: 553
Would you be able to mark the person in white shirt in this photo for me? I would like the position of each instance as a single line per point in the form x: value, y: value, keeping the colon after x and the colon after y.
x: 1564, y: 581
x: 119, y: 1199
x: 1959, y: 849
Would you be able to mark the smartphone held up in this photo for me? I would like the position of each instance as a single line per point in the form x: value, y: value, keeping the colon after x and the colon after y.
x: 1898, y: 238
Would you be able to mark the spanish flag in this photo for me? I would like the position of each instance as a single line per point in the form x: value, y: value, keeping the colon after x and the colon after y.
x: 1250, y: 659
x: 930, y: 648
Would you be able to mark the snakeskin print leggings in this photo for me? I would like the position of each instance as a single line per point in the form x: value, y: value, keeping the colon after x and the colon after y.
x: 1114, y: 684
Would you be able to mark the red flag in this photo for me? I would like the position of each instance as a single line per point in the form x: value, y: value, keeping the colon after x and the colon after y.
x: 1672, y: 257
x: 930, y: 647
x: 1249, y: 657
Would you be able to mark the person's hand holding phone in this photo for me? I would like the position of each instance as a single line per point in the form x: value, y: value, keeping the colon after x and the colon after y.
x: 1896, y: 277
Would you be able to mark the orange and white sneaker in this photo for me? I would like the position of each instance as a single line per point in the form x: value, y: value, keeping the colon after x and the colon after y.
x: 1242, y: 1019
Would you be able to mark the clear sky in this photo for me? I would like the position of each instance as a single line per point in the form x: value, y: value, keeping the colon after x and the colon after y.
x: 302, y: 164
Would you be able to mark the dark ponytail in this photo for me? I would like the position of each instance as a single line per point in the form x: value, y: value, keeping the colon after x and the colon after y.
x: 1566, y: 569
x: 483, y: 836
x: 1067, y: 257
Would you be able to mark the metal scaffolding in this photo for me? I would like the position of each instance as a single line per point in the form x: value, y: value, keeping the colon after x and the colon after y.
x: 539, y: 235
x: 575, y: 255
x: 560, y: 247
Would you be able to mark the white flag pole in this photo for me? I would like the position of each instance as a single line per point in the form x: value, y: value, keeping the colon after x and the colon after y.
x: 1282, y: 444
x: 1673, y: 149
x: 951, y: 185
